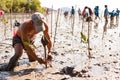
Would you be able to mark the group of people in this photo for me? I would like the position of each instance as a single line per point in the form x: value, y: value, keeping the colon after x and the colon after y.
x: 88, y: 12
x: 113, y: 14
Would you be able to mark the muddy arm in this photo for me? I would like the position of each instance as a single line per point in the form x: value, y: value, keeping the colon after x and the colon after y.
x: 46, y: 34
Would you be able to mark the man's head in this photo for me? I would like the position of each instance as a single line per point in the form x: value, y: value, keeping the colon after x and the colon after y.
x: 105, y: 6
x: 97, y: 6
x: 38, y: 20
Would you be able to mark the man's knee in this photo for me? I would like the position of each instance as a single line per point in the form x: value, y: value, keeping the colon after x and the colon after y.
x: 18, y: 54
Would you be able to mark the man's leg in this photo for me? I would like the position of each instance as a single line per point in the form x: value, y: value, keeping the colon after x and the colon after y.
x: 13, y: 61
x: 32, y: 56
x: 31, y: 59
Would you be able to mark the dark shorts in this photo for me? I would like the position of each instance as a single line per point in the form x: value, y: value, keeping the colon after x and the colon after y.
x: 16, y: 39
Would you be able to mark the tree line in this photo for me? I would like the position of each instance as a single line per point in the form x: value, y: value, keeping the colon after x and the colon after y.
x: 17, y: 6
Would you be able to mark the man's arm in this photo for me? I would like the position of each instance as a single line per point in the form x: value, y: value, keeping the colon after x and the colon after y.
x: 27, y: 45
x: 46, y: 34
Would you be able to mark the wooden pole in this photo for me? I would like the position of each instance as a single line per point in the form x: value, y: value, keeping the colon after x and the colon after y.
x: 5, y: 22
x: 73, y: 21
x: 82, y: 27
x: 89, y: 54
x: 104, y: 29
x: 45, y: 55
x: 51, y: 19
x: 56, y: 27
x: 11, y: 15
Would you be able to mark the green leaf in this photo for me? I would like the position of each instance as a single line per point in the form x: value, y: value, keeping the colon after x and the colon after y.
x: 4, y: 21
x: 26, y: 42
x: 83, y: 37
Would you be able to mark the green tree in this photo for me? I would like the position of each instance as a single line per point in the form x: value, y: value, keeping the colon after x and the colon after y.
x: 8, y: 5
x: 21, y: 5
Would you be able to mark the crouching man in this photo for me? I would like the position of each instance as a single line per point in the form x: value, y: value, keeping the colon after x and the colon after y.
x: 24, y: 38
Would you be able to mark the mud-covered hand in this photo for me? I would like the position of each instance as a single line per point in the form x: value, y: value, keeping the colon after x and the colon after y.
x: 49, y: 59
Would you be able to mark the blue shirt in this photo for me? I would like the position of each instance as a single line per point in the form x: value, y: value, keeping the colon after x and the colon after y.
x: 73, y: 11
x: 96, y: 10
x: 106, y: 12
x: 117, y: 12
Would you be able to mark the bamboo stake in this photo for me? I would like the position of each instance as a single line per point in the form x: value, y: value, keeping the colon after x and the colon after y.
x: 56, y: 27
x: 72, y: 25
x: 11, y: 23
x: 105, y: 25
x: 51, y: 19
x: 4, y: 20
x: 72, y: 22
x: 59, y: 17
x: 82, y: 27
x: 45, y: 55
x: 89, y: 54
x: 11, y: 15
x: 104, y: 29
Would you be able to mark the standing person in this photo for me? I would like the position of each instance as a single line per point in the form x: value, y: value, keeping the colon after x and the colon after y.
x: 96, y: 12
x: 65, y: 14
x: 87, y: 15
x: 23, y: 39
x: 72, y: 11
x: 85, y: 12
x: 79, y: 13
x: 72, y: 18
x: 47, y: 11
x: 106, y: 13
x: 112, y: 15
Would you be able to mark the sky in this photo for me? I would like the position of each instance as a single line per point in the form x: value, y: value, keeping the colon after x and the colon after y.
x: 112, y: 4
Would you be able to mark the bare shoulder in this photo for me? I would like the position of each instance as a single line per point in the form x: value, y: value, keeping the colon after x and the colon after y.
x: 27, y: 25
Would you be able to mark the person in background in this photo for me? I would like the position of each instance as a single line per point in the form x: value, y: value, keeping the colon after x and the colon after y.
x: 72, y: 11
x: 96, y: 12
x: 79, y: 13
x: 85, y: 12
x: 106, y: 13
x: 112, y: 15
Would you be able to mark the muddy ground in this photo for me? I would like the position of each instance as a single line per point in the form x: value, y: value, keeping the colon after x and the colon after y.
x: 70, y: 55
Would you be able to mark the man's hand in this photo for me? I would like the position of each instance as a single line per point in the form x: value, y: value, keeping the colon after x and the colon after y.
x: 49, y: 59
x: 41, y: 61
